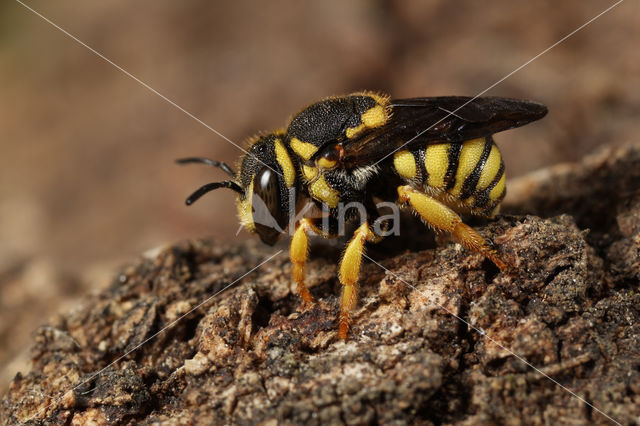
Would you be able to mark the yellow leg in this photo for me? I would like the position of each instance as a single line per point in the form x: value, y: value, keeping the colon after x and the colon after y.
x: 443, y: 218
x: 349, y: 271
x: 299, y: 252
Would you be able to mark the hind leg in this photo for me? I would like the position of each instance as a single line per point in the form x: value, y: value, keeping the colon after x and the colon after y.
x: 443, y: 218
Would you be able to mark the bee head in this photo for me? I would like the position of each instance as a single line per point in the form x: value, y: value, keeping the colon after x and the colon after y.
x: 267, y: 177
x: 265, y: 185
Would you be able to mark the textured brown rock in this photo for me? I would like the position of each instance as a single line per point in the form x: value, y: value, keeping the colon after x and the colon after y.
x: 438, y: 351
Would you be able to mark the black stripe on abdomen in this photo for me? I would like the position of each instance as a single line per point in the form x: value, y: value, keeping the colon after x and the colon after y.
x: 470, y: 183
x: 482, y: 200
x: 454, y: 159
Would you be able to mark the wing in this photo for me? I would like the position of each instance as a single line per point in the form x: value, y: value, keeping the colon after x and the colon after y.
x: 420, y: 121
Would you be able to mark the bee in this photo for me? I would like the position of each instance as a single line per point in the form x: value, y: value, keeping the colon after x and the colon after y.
x: 434, y: 155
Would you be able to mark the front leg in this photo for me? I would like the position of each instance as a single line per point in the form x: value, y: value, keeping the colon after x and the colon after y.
x: 299, y: 253
x: 349, y: 271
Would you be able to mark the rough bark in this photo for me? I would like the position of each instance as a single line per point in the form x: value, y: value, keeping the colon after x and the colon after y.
x: 434, y: 338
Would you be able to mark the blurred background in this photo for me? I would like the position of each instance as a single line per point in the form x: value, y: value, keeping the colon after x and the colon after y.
x: 87, y: 178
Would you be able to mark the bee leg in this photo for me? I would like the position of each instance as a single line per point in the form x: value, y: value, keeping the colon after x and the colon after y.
x: 443, y: 218
x: 298, y: 253
x: 349, y: 271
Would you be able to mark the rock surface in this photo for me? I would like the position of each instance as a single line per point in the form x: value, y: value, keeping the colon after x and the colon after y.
x: 439, y: 336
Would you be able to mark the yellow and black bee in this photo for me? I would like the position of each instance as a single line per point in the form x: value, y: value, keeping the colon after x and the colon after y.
x: 434, y: 155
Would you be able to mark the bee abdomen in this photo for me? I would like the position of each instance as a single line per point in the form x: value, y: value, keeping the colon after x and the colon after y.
x: 471, y: 172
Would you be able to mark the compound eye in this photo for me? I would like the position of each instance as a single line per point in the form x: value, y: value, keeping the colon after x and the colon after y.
x: 269, y: 216
x: 330, y: 157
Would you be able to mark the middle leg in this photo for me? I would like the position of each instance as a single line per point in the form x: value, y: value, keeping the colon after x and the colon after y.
x: 349, y: 272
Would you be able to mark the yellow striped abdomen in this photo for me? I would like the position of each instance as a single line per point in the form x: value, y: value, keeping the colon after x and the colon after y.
x: 468, y: 175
